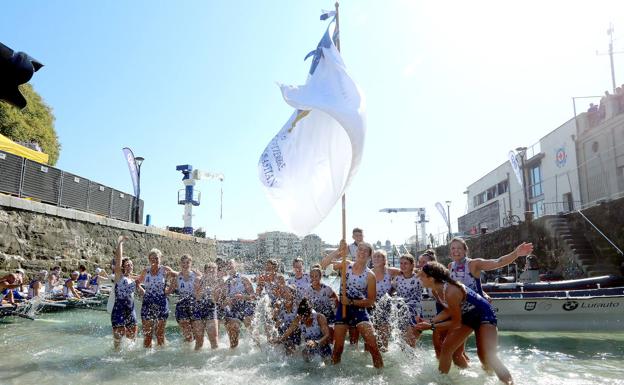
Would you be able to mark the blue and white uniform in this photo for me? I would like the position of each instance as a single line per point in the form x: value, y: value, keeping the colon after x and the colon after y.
x: 321, y: 300
x: 155, y: 303
x: 31, y: 290
x: 357, y: 288
x: 66, y: 292
x: 270, y: 289
x: 314, y: 333
x: 285, y: 318
x: 123, y: 314
x: 205, y: 308
x: 81, y: 282
x: 410, y: 290
x: 302, y: 284
x: 239, y: 309
x: 94, y: 284
x: 186, y: 303
x: 460, y: 271
x: 383, y: 305
x: 475, y: 310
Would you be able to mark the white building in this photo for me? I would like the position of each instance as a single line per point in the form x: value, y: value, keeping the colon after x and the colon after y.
x: 551, y: 180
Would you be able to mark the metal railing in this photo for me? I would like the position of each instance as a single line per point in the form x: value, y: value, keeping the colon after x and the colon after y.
x: 25, y: 178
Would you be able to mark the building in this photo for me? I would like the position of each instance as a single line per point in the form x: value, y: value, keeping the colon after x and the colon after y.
x: 279, y: 245
x: 312, y: 249
x: 575, y: 166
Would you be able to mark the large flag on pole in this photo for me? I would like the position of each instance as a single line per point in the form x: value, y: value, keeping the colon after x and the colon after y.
x: 129, y: 156
x: 308, y: 165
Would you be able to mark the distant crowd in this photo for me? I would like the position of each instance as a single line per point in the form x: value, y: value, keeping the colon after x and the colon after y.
x: 597, y: 113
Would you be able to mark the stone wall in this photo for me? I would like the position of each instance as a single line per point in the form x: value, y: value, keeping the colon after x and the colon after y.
x: 35, y: 240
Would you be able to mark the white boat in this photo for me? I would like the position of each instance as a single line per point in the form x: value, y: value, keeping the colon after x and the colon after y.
x: 575, y: 305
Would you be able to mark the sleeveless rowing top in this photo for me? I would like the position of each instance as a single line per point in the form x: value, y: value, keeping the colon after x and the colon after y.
x: 460, y: 271
x: 410, y: 289
x: 66, y: 292
x: 206, y: 290
x: 312, y: 332
x: 384, y: 286
x: 81, y: 283
x: 302, y: 284
x: 472, y: 301
x: 321, y: 300
x: 155, y: 284
x: 357, y: 285
x: 124, y: 289
x: 235, y: 285
x: 31, y: 290
x: 287, y: 317
x: 185, y: 287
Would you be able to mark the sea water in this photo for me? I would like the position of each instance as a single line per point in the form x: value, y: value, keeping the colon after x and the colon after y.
x: 75, y: 347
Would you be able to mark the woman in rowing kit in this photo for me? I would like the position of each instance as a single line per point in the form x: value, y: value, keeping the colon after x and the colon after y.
x: 185, y: 286
x: 35, y: 286
x: 285, y: 313
x: 322, y: 298
x: 314, y: 331
x: 359, y: 296
x: 123, y: 316
x: 205, y: 313
x: 383, y: 305
x: 468, y: 272
x: 69, y: 288
x: 409, y: 288
x: 239, y: 297
x: 155, y: 308
x: 267, y: 281
x: 464, y: 311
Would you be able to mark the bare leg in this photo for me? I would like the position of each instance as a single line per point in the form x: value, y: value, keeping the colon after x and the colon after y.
x: 187, y: 330
x: 368, y: 333
x: 131, y: 332
x: 233, y: 329
x: 198, y: 333
x: 487, y: 340
x: 148, y: 329
x: 213, y: 331
x: 454, y: 339
x: 118, y: 333
x: 160, y: 332
x: 340, y: 332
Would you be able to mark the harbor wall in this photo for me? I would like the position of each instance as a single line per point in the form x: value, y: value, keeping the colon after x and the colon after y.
x: 36, y: 236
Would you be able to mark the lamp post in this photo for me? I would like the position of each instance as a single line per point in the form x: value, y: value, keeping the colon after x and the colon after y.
x: 138, y: 161
x: 522, y: 154
x: 448, y: 218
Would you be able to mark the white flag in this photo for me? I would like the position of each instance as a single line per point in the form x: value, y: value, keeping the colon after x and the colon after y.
x: 442, y: 212
x: 516, y: 167
x: 308, y: 165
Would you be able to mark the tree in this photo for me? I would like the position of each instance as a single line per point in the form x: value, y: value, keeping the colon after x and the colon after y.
x: 34, y: 123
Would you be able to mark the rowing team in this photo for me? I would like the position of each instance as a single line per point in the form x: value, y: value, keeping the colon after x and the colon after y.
x: 79, y: 284
x: 305, y: 310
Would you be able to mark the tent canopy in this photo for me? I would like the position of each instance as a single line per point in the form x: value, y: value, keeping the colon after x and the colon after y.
x: 7, y: 145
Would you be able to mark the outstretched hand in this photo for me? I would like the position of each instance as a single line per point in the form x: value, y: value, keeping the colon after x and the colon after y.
x: 524, y: 249
x: 423, y: 326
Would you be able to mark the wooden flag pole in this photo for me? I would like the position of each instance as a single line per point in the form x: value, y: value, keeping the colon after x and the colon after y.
x: 343, y: 277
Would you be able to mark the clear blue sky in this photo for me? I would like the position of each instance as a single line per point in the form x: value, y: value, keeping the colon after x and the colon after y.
x: 451, y: 87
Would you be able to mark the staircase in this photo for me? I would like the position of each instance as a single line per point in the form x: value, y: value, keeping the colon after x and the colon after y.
x: 575, y: 244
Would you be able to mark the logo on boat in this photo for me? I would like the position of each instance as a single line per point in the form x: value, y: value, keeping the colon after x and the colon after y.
x: 570, y: 305
x: 530, y: 306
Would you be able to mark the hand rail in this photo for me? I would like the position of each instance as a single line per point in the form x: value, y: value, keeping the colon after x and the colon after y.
x: 601, y: 233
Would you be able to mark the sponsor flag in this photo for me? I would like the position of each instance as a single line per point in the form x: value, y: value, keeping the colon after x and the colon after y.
x: 308, y: 165
x: 129, y: 155
x: 442, y: 212
x: 516, y: 167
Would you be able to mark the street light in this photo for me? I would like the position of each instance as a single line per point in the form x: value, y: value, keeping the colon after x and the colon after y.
x: 448, y: 218
x: 522, y: 154
x: 138, y: 161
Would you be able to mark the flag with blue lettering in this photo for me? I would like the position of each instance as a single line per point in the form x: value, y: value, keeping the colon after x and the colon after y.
x: 132, y: 167
x: 308, y: 165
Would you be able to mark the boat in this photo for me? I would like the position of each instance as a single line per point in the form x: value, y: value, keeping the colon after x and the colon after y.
x: 590, y: 304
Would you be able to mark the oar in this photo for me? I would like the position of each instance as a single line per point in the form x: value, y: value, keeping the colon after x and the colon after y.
x: 17, y: 314
x: 52, y: 303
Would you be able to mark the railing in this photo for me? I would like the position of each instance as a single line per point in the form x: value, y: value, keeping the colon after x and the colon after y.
x: 554, y: 208
x: 28, y: 179
x: 601, y: 233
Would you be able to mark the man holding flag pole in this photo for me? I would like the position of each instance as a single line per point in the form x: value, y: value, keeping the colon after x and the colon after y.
x: 308, y: 165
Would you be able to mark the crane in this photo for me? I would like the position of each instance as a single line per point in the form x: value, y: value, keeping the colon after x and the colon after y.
x: 421, y: 216
x: 190, y: 197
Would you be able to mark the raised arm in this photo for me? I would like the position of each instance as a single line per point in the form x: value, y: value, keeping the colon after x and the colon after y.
x: 335, y: 256
x: 294, y: 325
x: 478, y: 265
x: 119, y: 257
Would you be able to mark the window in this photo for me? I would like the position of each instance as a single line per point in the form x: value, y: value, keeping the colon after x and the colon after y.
x: 491, y: 193
x: 538, y: 209
x: 502, y: 187
x: 535, y: 182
